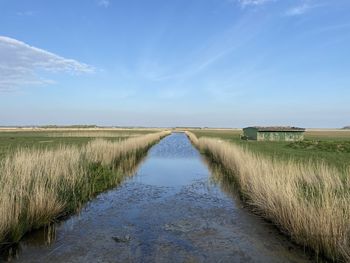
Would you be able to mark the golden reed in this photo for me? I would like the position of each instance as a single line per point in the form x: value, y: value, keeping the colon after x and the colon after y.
x: 310, y: 202
x: 37, y: 186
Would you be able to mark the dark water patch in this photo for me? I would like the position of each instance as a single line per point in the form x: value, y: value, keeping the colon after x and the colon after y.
x: 173, y: 210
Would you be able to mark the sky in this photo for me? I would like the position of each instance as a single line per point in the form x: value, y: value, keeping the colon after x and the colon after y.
x: 207, y: 63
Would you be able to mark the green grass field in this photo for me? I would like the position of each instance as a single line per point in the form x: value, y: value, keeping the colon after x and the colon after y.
x: 11, y: 140
x: 330, y: 146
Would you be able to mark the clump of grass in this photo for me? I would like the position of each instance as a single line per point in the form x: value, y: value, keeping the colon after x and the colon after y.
x: 39, y: 185
x: 308, y: 201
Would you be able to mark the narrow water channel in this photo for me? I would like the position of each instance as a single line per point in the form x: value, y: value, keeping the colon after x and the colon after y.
x: 171, y: 210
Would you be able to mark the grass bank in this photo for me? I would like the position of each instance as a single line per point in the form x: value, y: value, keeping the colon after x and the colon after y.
x: 329, y: 146
x: 310, y: 202
x: 38, y: 186
x: 29, y: 138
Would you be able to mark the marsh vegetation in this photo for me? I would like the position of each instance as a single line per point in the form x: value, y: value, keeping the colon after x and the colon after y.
x: 328, y: 146
x: 300, y: 187
x: 174, y: 209
x: 309, y: 201
x: 39, y: 185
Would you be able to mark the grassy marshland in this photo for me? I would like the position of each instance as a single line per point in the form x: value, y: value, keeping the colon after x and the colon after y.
x: 38, y: 185
x: 309, y: 201
x: 42, y: 138
x: 329, y: 146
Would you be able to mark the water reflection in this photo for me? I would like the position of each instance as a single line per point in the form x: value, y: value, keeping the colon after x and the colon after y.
x: 174, y: 162
x: 44, y: 236
x: 47, y: 235
x: 223, y: 179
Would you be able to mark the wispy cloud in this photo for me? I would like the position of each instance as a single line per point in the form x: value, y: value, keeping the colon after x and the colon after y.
x: 20, y: 62
x: 217, y: 49
x: 104, y: 3
x: 25, y: 13
x: 253, y: 2
x: 298, y: 10
x: 302, y: 8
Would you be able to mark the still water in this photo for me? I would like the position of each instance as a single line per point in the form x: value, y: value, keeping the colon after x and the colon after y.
x: 174, y: 209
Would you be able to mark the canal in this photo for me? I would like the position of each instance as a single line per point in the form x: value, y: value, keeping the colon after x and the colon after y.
x: 175, y: 208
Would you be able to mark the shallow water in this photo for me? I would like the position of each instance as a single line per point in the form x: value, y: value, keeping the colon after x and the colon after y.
x: 173, y: 210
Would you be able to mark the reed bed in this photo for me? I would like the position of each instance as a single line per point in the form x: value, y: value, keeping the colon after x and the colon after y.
x: 38, y: 186
x: 310, y: 202
x: 94, y: 134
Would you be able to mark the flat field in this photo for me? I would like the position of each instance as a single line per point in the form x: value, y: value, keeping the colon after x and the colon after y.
x: 14, y: 138
x: 329, y: 146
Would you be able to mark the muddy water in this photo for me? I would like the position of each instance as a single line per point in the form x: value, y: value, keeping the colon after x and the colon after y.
x: 172, y: 210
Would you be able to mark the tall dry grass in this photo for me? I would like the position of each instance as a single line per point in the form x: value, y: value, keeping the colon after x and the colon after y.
x: 309, y: 202
x: 38, y: 186
x: 94, y: 134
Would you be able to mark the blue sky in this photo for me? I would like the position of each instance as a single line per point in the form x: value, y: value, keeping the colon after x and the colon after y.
x: 219, y: 63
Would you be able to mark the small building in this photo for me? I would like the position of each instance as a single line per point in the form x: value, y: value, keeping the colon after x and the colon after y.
x: 259, y: 133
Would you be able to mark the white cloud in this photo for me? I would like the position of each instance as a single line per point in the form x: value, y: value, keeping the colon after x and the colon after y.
x: 298, y: 10
x: 254, y: 2
x: 303, y: 8
x: 20, y: 63
x: 104, y: 3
